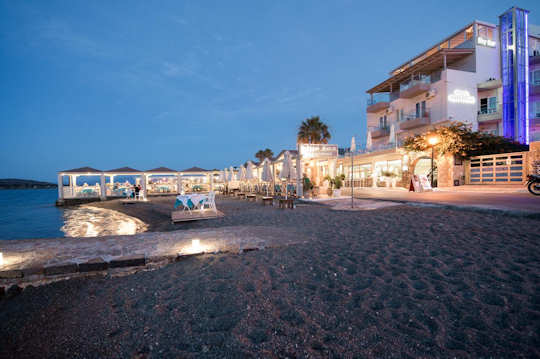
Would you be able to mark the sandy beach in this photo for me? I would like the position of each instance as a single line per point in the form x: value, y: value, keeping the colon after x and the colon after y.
x: 397, y: 282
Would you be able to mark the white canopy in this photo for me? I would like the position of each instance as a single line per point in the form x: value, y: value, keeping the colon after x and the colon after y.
x: 287, y: 172
x: 266, y: 175
x: 241, y: 173
x: 249, y: 170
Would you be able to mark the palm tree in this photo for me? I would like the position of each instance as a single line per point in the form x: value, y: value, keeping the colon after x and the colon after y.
x: 262, y: 154
x: 312, y: 130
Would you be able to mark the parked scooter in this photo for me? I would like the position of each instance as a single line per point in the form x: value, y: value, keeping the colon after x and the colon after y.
x: 533, y: 184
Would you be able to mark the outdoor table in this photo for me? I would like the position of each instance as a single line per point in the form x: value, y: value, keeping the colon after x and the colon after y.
x: 266, y: 200
x: 241, y: 194
x: 191, y: 200
x: 286, y: 203
x: 251, y: 197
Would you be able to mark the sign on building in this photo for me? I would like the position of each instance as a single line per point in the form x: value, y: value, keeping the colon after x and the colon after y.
x: 309, y: 150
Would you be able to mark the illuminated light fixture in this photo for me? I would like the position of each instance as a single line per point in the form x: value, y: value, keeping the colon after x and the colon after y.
x: 433, y: 140
x: 1, y: 259
x: 196, y: 244
x: 462, y: 96
x: 486, y: 42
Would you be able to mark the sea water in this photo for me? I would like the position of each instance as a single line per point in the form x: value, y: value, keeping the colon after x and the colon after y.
x: 31, y: 213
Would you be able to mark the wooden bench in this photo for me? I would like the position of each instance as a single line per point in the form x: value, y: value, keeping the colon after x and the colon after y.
x: 286, y: 203
x: 266, y: 200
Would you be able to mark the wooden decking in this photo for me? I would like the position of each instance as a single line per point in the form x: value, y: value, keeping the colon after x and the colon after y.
x: 195, y: 215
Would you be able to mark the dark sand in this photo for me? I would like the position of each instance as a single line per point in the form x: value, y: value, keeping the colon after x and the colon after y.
x: 396, y: 282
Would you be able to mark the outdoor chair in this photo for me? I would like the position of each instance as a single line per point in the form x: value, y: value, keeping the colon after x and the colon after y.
x: 211, y: 201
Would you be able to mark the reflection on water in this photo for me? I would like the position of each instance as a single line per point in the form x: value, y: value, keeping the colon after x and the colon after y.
x: 94, y: 222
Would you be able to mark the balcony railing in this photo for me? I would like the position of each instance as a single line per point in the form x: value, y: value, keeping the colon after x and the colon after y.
x: 490, y: 84
x: 377, y: 132
x: 414, y: 87
x: 378, y: 102
x: 490, y: 114
x: 413, y: 120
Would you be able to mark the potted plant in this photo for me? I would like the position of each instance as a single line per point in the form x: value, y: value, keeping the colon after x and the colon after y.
x: 329, y: 190
x: 334, y: 185
x: 338, y: 183
x: 308, y: 187
x: 390, y: 177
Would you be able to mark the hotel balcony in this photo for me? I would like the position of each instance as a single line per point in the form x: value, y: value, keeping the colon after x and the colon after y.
x: 490, y: 114
x: 414, y: 88
x: 377, y: 132
x: 415, y: 120
x: 378, y: 102
x: 489, y: 85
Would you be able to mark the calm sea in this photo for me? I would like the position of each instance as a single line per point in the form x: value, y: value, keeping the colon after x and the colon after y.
x: 30, y: 213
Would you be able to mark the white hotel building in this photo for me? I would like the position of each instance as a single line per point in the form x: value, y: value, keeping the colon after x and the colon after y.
x: 486, y: 75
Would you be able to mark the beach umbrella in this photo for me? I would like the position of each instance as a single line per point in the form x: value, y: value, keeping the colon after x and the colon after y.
x: 353, y: 144
x: 286, y: 169
x: 369, y: 142
x: 249, y: 170
x: 392, y: 137
x: 241, y: 173
x: 231, y: 174
x: 226, y: 175
x: 266, y: 175
x: 249, y: 173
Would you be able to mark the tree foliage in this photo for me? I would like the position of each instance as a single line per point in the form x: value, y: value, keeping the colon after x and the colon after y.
x: 458, y: 139
x: 313, y: 130
x: 262, y: 154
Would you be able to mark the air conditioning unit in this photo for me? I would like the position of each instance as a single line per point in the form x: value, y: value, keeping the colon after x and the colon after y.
x: 431, y: 93
x: 390, y: 109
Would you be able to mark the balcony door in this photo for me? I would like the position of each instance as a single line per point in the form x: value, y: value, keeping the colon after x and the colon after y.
x: 420, y: 109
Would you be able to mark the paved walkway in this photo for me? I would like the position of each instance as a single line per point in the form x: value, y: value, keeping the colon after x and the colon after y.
x: 524, y: 203
x: 33, y: 253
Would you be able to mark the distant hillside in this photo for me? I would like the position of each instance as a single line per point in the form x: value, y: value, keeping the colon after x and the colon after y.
x: 14, y: 183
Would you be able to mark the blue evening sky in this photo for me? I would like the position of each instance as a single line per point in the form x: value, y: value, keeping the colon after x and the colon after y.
x: 183, y: 83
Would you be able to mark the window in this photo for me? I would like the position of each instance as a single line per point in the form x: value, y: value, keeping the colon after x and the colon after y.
x: 492, y: 104
x: 382, y: 122
x: 488, y: 105
x: 483, y: 105
x: 485, y: 32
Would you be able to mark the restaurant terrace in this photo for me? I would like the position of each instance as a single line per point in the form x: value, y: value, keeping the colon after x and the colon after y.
x: 87, y: 183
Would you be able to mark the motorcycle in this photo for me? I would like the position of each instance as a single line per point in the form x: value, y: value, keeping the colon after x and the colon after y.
x: 533, y: 184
